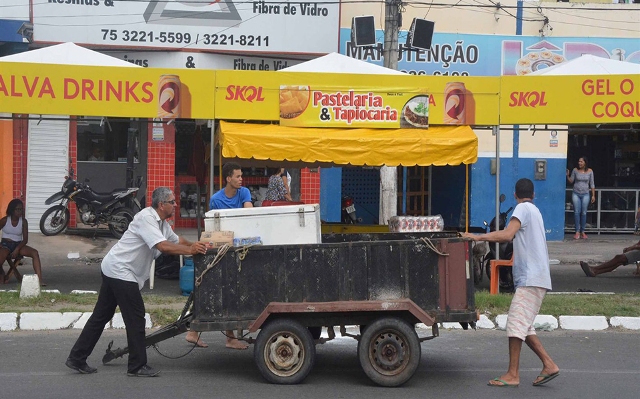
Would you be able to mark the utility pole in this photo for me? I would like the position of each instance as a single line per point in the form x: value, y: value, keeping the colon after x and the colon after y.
x: 388, y: 174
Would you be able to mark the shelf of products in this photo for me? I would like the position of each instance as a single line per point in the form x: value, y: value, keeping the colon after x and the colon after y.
x: 189, y: 200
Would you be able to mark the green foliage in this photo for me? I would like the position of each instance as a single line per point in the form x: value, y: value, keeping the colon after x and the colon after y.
x: 625, y: 305
x: 422, y: 108
x: 166, y: 309
x: 163, y: 309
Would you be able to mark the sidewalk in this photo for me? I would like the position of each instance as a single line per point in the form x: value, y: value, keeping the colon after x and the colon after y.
x: 71, y: 262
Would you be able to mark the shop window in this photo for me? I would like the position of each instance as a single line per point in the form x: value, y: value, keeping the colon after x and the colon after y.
x: 185, y: 132
x: 104, y: 141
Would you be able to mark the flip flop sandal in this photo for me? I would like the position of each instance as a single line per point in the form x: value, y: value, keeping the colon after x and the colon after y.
x: 503, y: 384
x: 546, y: 378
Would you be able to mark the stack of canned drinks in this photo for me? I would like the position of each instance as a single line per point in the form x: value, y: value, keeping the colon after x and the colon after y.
x: 406, y: 224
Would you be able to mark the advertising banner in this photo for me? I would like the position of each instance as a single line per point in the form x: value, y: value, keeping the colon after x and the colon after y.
x: 345, y: 107
x: 106, y: 91
x: 224, y: 25
x: 453, y: 54
x: 199, y: 60
x: 352, y: 100
x: 570, y: 99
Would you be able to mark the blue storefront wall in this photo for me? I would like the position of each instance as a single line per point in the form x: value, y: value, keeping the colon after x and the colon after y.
x: 549, y: 193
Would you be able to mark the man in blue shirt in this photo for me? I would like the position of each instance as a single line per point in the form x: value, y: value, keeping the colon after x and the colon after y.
x: 234, y: 195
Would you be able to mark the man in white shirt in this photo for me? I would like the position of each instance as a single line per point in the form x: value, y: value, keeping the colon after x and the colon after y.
x: 124, y: 271
x: 532, y: 279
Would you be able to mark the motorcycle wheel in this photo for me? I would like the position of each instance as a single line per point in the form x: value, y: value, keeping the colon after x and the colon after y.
x: 477, y: 272
x: 117, y: 228
x: 54, y: 220
x: 487, y: 267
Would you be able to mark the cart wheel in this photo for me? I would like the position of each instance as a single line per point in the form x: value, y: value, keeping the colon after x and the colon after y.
x: 316, y: 332
x: 284, y: 352
x: 389, y: 351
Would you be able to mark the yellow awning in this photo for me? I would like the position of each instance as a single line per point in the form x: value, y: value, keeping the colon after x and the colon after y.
x: 440, y: 145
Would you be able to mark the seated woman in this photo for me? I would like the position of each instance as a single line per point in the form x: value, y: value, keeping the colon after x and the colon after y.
x: 15, y: 236
x: 278, y: 188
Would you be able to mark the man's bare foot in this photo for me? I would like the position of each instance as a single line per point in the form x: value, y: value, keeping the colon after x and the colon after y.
x: 235, y: 344
x: 194, y: 338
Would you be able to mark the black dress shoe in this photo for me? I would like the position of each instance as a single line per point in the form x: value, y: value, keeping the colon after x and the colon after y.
x: 144, y: 371
x: 82, y: 368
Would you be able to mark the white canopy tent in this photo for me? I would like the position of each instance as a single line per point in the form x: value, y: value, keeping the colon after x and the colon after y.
x: 67, y: 54
x: 338, y: 63
x: 590, y: 65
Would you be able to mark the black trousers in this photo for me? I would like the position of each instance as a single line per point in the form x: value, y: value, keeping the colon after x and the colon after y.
x: 114, y: 292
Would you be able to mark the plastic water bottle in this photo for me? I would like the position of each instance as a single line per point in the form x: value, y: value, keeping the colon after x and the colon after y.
x: 187, y: 276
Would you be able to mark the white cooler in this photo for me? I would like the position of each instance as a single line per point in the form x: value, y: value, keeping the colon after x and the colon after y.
x: 275, y: 225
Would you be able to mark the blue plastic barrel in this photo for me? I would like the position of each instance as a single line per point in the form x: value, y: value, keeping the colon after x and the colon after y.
x: 187, y: 277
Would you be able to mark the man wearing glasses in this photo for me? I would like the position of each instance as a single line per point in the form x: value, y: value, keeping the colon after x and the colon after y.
x: 125, y: 269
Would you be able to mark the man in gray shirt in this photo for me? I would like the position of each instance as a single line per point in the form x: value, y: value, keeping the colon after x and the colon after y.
x: 531, y: 278
x: 124, y: 272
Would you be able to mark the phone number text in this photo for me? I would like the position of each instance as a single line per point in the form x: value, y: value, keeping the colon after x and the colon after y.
x: 140, y: 36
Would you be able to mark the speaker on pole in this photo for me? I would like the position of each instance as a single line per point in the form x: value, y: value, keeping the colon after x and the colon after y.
x: 420, y: 34
x: 363, y: 31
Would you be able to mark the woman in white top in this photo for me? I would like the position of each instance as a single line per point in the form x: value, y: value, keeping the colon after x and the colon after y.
x: 15, y: 236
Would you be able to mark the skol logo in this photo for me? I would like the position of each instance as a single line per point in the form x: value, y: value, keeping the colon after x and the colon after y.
x: 244, y: 93
x: 527, y: 99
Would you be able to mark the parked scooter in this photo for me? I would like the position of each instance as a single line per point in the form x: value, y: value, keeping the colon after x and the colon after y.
x: 116, y: 209
x: 348, y: 210
x: 505, y: 250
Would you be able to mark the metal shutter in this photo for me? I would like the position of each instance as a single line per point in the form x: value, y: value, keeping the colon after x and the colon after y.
x: 47, y: 164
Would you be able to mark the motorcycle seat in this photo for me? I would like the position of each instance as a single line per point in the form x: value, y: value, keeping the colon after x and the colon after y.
x: 103, y: 197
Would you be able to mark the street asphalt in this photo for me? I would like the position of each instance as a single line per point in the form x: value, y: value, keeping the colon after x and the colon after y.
x: 71, y: 261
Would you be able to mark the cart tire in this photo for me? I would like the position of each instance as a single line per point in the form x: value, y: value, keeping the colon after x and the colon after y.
x: 389, y: 351
x: 284, y: 352
x: 316, y: 331
x: 362, y: 328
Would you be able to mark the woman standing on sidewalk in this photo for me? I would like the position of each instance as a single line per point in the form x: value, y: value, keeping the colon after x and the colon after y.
x: 582, y: 180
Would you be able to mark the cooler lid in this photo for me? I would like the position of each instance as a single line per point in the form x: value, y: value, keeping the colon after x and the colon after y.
x: 263, y: 210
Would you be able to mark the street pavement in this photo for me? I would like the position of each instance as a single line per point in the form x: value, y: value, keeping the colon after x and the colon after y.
x: 457, y: 364
x: 71, y: 261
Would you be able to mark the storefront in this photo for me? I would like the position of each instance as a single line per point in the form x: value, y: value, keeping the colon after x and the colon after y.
x: 243, y: 98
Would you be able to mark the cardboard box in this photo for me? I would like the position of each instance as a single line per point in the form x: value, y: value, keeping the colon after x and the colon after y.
x: 217, y: 239
x: 275, y: 225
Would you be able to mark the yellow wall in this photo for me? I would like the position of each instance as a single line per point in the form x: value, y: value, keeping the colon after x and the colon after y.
x: 6, y: 164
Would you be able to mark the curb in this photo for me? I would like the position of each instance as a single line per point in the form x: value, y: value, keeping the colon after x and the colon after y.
x: 39, y: 321
x: 550, y: 323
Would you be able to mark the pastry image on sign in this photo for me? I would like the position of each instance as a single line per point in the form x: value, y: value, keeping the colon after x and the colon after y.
x: 293, y: 101
x: 416, y: 112
x: 536, y: 61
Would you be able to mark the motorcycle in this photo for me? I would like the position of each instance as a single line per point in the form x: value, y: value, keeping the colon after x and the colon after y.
x: 348, y: 210
x: 116, y: 209
x: 505, y: 250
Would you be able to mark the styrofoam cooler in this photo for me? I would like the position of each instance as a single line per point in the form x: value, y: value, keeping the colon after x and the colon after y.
x: 275, y: 225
